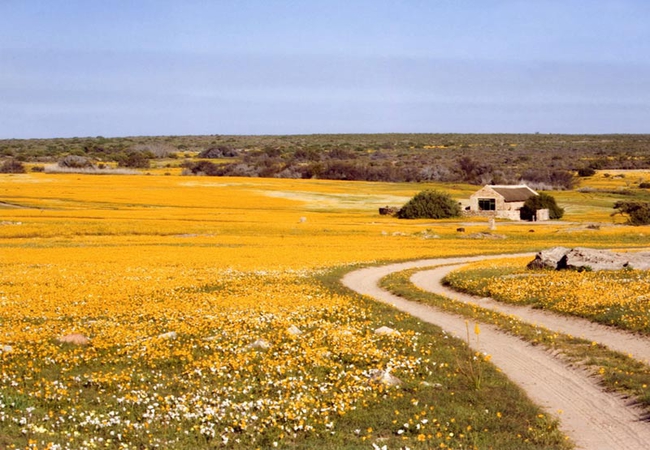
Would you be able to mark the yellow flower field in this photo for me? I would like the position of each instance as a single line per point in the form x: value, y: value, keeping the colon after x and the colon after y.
x: 181, y: 284
x: 173, y: 349
x: 618, y: 298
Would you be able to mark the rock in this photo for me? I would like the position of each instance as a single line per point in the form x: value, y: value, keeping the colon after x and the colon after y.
x: 170, y: 335
x: 6, y: 349
x: 581, y: 258
x: 384, y: 377
x: 386, y: 331
x: 548, y: 259
x: 259, y: 344
x: 303, y: 219
x: 294, y: 330
x: 74, y: 338
x: 433, y: 385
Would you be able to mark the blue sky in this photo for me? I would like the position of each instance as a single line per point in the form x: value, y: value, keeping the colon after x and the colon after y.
x: 122, y: 68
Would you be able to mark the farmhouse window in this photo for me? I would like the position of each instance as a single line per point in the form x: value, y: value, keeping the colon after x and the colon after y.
x: 487, y: 204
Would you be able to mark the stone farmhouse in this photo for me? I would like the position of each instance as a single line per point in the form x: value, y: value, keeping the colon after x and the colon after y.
x: 502, y: 202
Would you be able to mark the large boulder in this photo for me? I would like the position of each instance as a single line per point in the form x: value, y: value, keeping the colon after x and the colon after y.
x: 548, y: 259
x: 581, y: 258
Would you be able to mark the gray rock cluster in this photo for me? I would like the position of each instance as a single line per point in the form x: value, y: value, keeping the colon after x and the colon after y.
x: 581, y: 258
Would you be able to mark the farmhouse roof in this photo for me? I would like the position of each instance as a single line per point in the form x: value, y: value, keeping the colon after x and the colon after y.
x: 516, y: 193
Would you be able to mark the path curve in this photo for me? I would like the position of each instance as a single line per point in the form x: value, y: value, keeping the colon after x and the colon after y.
x: 593, y: 419
x: 636, y: 345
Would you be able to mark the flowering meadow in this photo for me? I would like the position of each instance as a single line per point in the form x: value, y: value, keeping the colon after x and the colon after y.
x: 618, y: 298
x: 213, y: 320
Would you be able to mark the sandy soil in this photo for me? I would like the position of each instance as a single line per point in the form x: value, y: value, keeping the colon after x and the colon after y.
x: 593, y: 419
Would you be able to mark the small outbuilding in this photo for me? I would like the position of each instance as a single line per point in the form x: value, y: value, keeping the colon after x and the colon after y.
x: 502, y: 202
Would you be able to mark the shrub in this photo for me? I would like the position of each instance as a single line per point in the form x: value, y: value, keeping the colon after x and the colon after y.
x: 586, y: 172
x: 12, y: 166
x: 558, y: 179
x: 76, y: 162
x: 201, y: 168
x: 430, y: 204
x: 222, y: 151
x: 155, y: 150
x: 638, y: 213
x: 472, y: 171
x: 644, y: 185
x: 135, y: 159
x: 541, y: 201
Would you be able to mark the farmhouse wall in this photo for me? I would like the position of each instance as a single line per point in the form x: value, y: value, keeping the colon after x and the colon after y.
x: 511, y: 215
x: 543, y: 214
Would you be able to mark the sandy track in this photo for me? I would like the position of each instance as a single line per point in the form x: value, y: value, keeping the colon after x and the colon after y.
x: 593, y: 419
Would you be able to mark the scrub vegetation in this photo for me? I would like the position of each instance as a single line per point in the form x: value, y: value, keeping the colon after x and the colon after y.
x: 543, y: 161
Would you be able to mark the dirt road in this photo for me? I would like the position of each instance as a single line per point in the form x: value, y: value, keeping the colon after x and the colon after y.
x: 593, y: 419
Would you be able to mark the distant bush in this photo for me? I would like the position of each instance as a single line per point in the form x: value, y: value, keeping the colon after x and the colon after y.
x: 644, y: 185
x: 306, y: 154
x: 12, y: 166
x: 222, y: 151
x: 430, y: 204
x: 541, y: 201
x: 156, y: 150
x: 473, y: 171
x: 638, y: 213
x: 586, y: 172
x: 38, y: 169
x: 558, y: 179
x: 134, y: 159
x: 76, y: 162
x: 201, y: 168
